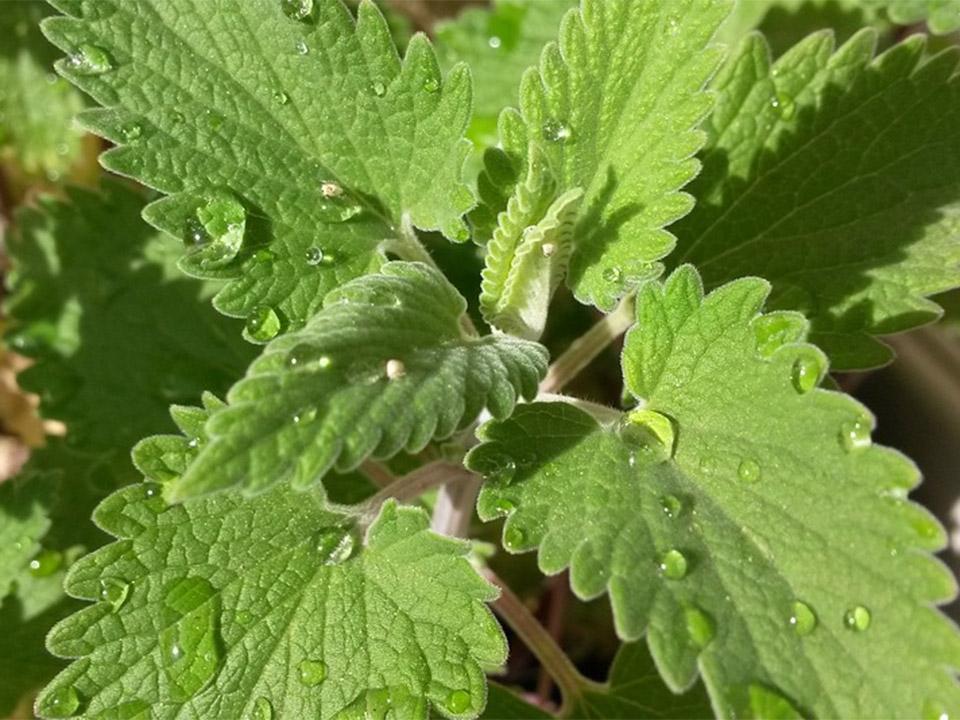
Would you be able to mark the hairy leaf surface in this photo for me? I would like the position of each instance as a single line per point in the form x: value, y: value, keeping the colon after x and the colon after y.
x: 615, y: 105
x: 309, y: 123
x: 740, y: 512
x: 384, y: 367
x: 835, y: 176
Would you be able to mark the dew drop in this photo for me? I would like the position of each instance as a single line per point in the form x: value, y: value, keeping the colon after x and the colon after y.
x: 90, y: 60
x: 505, y: 506
x: 495, y: 467
x: 458, y: 702
x: 857, y: 618
x: 190, y: 644
x: 305, y: 416
x: 312, y: 672
x: 555, y: 131
x: 280, y: 97
x: 855, y: 435
x: 307, y: 356
x: 262, y: 709
x: 297, y: 9
x: 774, y: 330
x: 395, y: 369
x: 648, y: 433
x: 313, y: 255
x: 673, y: 565
x: 749, y: 470
x: 514, y: 538
x: 785, y: 104
x: 131, y: 131
x: 935, y: 710
x: 225, y: 221
x: 114, y: 591
x: 263, y: 323
x: 46, y: 563
x: 194, y: 233
x: 672, y: 506
x: 264, y: 256
x: 494, y: 42
x: 302, y: 48
x: 806, y: 373
x: 379, y: 89
x: 802, y: 618
x: 62, y: 702
x: 334, y: 545
x: 244, y: 617
x: 700, y: 627
x: 612, y: 274
x: 431, y: 85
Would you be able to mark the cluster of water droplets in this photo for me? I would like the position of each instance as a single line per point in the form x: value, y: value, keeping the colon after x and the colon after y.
x: 216, y: 231
x: 90, y: 60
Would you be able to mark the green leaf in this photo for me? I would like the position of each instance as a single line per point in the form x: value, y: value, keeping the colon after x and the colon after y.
x: 24, y: 504
x: 635, y: 691
x: 529, y: 252
x: 314, y: 129
x: 36, y: 107
x: 384, y: 367
x: 504, y: 704
x: 740, y: 519
x: 835, y: 177
x: 941, y: 16
x: 615, y: 105
x: 498, y: 44
x: 270, y: 607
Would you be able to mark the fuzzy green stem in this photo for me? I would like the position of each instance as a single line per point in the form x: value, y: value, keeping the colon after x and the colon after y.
x: 584, y: 349
x: 541, y: 643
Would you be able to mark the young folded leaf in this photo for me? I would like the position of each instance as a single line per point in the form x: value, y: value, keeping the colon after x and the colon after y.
x: 310, y: 121
x: 615, y: 105
x: 740, y: 512
x: 835, y: 176
x: 384, y: 367
x: 529, y: 252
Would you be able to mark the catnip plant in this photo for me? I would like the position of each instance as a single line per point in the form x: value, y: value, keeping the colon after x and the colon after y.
x: 396, y: 328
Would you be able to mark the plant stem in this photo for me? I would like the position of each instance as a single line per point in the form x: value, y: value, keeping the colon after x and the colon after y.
x: 454, y: 508
x: 601, y: 413
x: 377, y: 473
x: 414, y: 484
x: 541, y: 644
x: 584, y: 349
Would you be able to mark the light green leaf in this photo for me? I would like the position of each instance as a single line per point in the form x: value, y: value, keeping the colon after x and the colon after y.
x: 529, y: 252
x: 941, y: 16
x: 384, y: 367
x: 498, y: 44
x: 615, y: 105
x: 36, y: 108
x: 314, y: 129
x: 834, y: 176
x: 635, y: 691
x: 741, y: 513
x: 270, y: 607
x: 24, y: 520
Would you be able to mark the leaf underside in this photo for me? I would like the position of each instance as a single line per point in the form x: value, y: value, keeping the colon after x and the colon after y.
x: 772, y: 497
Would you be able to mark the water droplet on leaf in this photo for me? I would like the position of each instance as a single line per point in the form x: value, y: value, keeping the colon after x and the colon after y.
x: 334, y: 545
x: 785, y: 104
x: 431, y: 85
x: 673, y: 565
x: 494, y: 42
x: 806, y: 373
x: 495, y: 467
x: 131, y: 131
x: 802, y: 618
x: 458, y: 702
x: 505, y: 506
x: 90, y: 60
x: 700, y: 627
x: 671, y: 505
x: 46, y: 563
x: 514, y: 538
x: 313, y: 255
x: 297, y: 9
x: 648, y: 434
x: 280, y: 97
x: 193, y: 233
x: 225, y: 221
x: 379, y: 89
x: 749, y: 470
x: 555, y: 131
x: 62, y: 702
x: 189, y: 643
x: 263, y: 323
x: 302, y: 48
x: 312, y: 672
x: 263, y: 709
x: 244, y: 617
x: 114, y: 591
x: 855, y: 435
x: 857, y: 618
x: 612, y: 275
